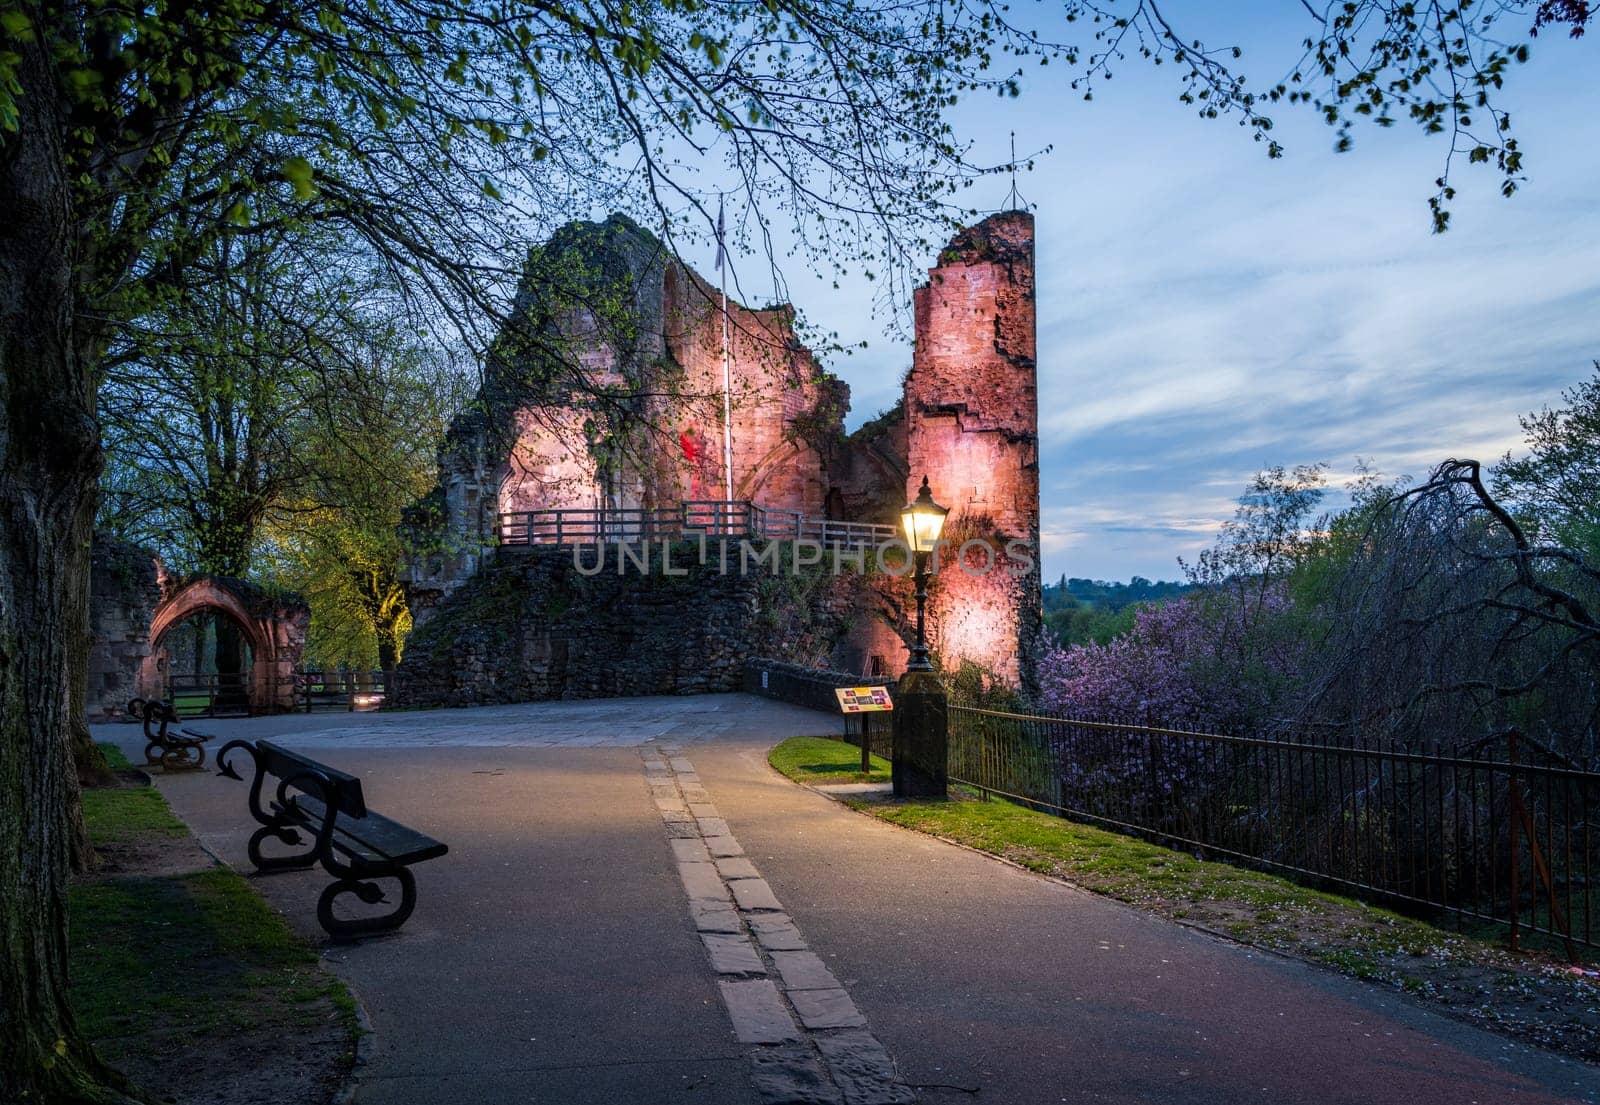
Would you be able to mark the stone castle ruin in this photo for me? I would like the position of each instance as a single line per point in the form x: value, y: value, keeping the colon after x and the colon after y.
x: 142, y: 636
x: 606, y: 414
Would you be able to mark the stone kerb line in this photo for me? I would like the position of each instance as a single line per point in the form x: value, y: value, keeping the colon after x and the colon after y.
x: 812, y: 1044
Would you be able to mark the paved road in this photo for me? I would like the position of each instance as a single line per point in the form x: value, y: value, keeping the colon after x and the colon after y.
x: 976, y: 975
x: 552, y: 957
x: 591, y: 723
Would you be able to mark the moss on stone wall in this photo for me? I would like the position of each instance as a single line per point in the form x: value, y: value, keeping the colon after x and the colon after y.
x: 531, y: 626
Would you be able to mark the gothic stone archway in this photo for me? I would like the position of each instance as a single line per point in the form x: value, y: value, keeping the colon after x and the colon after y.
x: 274, y: 627
x: 133, y: 602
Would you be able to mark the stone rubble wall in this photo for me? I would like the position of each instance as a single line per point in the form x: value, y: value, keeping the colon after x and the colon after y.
x: 529, y: 626
x: 124, y: 591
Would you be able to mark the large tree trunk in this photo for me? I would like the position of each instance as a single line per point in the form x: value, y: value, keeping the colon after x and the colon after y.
x: 89, y: 767
x: 89, y: 762
x: 388, y: 634
x: 49, y: 459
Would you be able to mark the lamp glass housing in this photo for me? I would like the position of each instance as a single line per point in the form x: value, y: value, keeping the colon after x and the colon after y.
x: 923, y: 520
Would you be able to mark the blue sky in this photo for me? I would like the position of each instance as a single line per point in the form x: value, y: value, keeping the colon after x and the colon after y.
x: 1205, y: 312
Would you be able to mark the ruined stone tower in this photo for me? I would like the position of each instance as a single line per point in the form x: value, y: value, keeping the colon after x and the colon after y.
x: 972, y: 424
x: 606, y: 399
x: 608, y: 305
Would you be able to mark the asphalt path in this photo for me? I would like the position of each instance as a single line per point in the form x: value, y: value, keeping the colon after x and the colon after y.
x: 552, y: 957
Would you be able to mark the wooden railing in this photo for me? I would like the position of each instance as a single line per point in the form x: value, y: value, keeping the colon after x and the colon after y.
x: 209, y: 694
x: 339, y: 690
x: 689, y: 519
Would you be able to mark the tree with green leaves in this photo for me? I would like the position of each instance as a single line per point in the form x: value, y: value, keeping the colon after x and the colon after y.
x: 1555, y: 486
x: 371, y: 444
x: 198, y: 399
x: 283, y: 387
x: 197, y: 403
x: 439, y: 135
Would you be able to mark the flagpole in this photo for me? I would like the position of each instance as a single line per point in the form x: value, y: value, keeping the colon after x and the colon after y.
x: 727, y: 377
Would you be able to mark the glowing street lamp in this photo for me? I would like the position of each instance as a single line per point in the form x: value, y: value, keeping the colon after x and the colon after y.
x: 923, y: 522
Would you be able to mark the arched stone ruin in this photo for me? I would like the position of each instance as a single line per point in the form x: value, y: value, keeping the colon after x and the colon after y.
x: 134, y: 604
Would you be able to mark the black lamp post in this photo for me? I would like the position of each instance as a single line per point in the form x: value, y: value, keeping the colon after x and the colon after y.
x: 923, y: 522
x: 921, y: 740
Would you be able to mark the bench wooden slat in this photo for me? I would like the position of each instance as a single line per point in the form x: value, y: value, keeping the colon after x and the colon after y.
x: 374, y: 837
x: 285, y: 763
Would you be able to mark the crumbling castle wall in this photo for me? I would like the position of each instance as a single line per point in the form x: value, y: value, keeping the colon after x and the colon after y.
x: 641, y: 427
x: 124, y: 591
x: 972, y: 428
x: 783, y: 405
x: 606, y: 393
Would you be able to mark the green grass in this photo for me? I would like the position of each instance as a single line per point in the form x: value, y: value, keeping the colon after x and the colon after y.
x: 116, y: 815
x: 1119, y: 866
x: 1251, y: 906
x: 163, y: 963
x: 824, y: 760
x: 188, y: 956
x: 115, y: 760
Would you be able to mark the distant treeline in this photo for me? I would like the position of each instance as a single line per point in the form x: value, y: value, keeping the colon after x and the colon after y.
x: 1451, y: 610
x: 1079, y: 611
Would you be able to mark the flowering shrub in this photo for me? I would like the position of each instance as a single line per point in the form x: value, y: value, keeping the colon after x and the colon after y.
x: 1208, y: 662
x: 1146, y: 677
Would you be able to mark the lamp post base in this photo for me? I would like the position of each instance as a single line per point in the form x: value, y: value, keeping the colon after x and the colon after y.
x: 921, y: 739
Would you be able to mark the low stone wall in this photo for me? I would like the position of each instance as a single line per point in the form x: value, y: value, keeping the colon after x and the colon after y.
x: 529, y: 626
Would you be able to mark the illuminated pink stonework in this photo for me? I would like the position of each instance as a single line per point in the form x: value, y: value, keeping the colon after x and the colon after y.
x: 968, y: 421
x: 972, y: 416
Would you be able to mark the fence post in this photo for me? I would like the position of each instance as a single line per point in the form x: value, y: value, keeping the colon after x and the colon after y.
x: 1511, y: 816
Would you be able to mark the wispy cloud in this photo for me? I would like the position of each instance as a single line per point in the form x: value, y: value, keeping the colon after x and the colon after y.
x: 1204, y: 312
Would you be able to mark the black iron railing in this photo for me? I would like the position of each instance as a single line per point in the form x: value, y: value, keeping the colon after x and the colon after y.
x: 1501, y: 831
x: 815, y: 687
x: 877, y: 729
x: 222, y: 695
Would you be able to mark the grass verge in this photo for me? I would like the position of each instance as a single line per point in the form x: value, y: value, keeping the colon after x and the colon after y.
x: 115, y: 759
x: 183, y: 957
x: 172, y: 971
x: 825, y: 760
x: 1531, y: 996
x: 119, y: 815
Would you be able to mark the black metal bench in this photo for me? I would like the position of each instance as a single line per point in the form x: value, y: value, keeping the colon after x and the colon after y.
x: 173, y: 749
x: 353, y: 844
